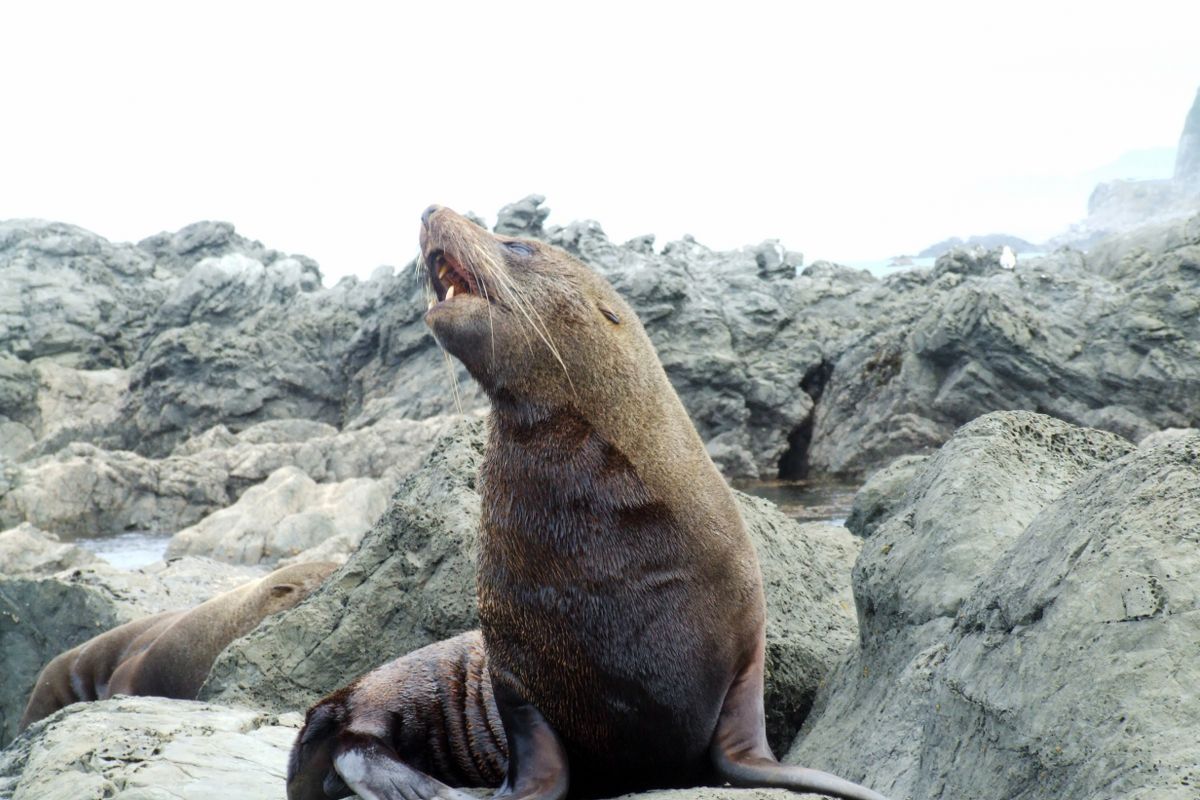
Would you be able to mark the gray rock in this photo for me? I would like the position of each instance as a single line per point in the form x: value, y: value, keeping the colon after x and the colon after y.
x: 1187, y: 155
x: 1159, y: 438
x: 522, y: 218
x: 25, y: 550
x: 881, y: 494
x: 785, y: 372
x: 42, y: 617
x: 412, y: 582
x: 83, y: 490
x: 722, y: 793
x: 989, y: 241
x: 283, y: 516
x: 1123, y: 206
x: 1017, y: 614
x: 73, y: 296
x: 150, y: 748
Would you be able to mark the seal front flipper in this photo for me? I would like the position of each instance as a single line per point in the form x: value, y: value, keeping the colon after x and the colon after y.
x: 537, y: 761
x: 373, y: 771
x: 741, y: 755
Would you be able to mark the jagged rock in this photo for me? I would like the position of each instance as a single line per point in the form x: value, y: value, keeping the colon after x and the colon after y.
x: 989, y: 241
x: 150, y: 748
x: 73, y: 404
x: 883, y: 491
x: 1120, y: 207
x: 1018, y: 612
x: 412, y: 582
x: 1160, y: 438
x: 283, y: 516
x: 84, y: 490
x: 72, y: 295
x: 1187, y: 155
x: 522, y: 218
x: 25, y: 550
x: 42, y: 617
x: 1119, y: 350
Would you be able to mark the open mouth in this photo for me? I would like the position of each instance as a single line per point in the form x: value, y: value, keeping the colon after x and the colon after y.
x: 449, y: 278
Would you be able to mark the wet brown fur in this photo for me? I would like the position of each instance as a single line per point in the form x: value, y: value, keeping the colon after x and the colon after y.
x: 167, y: 654
x: 434, y: 708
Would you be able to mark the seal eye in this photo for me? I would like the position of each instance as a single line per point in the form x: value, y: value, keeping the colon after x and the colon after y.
x: 520, y: 248
x: 610, y: 315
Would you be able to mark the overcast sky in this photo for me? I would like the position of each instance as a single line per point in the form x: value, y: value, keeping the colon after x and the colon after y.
x: 851, y: 132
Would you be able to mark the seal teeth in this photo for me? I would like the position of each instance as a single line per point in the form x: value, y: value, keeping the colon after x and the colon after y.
x: 450, y: 291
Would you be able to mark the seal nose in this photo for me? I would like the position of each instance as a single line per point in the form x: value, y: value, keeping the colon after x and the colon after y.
x: 429, y: 212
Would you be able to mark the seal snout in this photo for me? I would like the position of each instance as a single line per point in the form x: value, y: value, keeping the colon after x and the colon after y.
x: 429, y: 212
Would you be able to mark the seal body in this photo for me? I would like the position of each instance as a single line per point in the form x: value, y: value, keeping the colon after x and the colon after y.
x: 596, y: 595
x: 167, y: 654
x: 620, y: 597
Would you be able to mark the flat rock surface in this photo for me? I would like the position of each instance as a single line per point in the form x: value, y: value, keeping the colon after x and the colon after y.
x: 150, y: 748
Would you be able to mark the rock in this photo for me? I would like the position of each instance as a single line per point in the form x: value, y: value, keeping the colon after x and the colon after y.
x: 522, y: 218
x: 283, y: 516
x: 1160, y: 438
x: 881, y: 494
x: 1017, y: 613
x: 786, y: 371
x: 1187, y: 155
x: 83, y: 490
x: 722, y: 793
x: 75, y: 405
x: 1117, y: 350
x: 990, y: 241
x: 1123, y: 206
x: 25, y: 550
x: 42, y: 617
x: 150, y: 748
x: 72, y: 295
x: 412, y: 582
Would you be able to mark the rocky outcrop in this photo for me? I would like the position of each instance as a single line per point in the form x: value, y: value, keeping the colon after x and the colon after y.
x: 1122, y: 206
x: 785, y: 369
x: 41, y: 617
x: 283, y: 516
x: 989, y: 241
x: 1187, y: 155
x: 150, y: 747
x: 1018, y: 613
x: 412, y: 582
x: 27, y: 551
x: 875, y: 501
x: 84, y: 490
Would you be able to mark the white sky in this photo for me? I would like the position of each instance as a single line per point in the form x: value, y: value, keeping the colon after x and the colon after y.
x: 851, y: 131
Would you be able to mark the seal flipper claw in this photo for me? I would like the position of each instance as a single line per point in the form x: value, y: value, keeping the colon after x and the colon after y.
x: 740, y: 752
x: 374, y: 772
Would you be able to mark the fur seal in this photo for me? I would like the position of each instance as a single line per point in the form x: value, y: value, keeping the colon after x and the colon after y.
x: 620, y: 598
x: 167, y: 654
